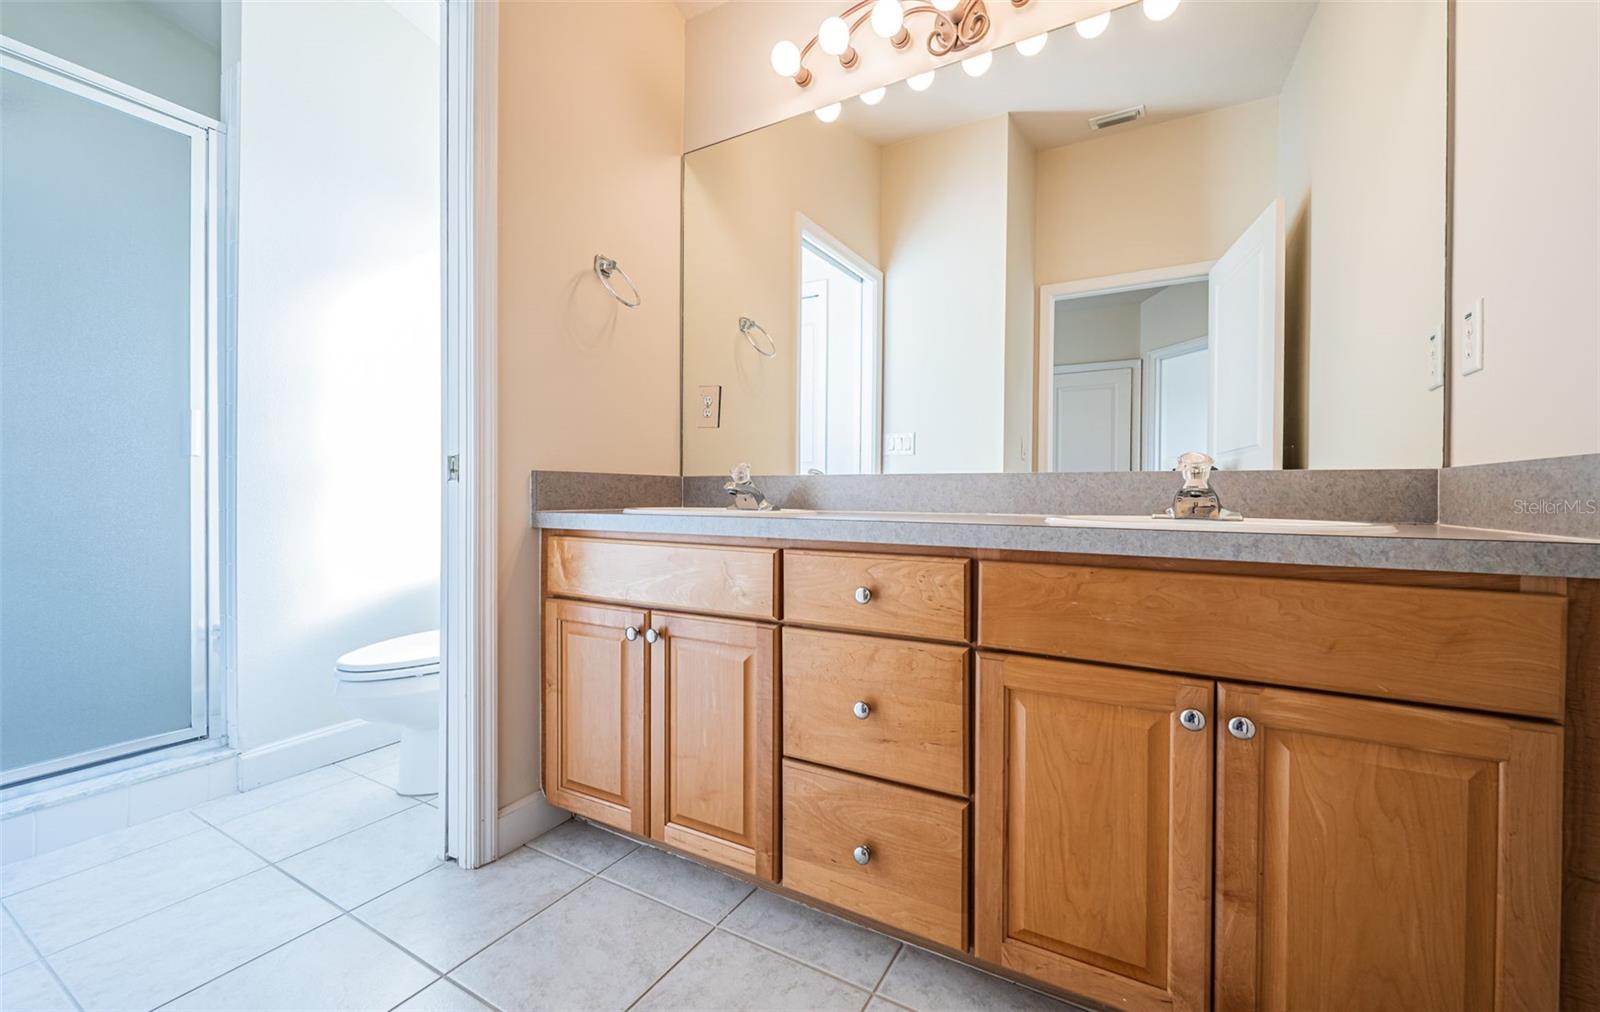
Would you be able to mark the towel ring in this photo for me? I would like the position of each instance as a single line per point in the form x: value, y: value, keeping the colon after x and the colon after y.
x: 746, y: 325
x: 604, y: 267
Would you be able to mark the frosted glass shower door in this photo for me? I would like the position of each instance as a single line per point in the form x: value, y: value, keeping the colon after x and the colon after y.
x: 104, y: 421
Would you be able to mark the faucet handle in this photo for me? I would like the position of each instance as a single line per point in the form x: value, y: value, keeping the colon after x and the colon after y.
x: 1195, y: 467
x: 739, y: 474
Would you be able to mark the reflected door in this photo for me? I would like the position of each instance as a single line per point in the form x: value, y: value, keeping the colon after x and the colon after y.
x: 1096, y: 417
x: 103, y: 423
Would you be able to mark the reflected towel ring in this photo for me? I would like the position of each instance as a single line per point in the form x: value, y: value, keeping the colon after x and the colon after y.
x: 604, y: 267
x: 746, y: 325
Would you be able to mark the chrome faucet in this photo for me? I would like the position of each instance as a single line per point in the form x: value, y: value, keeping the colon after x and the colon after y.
x: 745, y: 495
x: 1197, y: 500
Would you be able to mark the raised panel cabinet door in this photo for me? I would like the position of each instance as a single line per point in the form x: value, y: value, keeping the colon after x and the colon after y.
x: 594, y: 712
x: 1093, y: 829
x: 1380, y: 856
x: 713, y: 740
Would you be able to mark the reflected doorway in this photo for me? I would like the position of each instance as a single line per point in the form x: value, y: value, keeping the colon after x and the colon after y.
x: 839, y: 384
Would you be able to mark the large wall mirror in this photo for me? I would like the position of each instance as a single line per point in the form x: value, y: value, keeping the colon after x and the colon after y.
x: 1223, y: 231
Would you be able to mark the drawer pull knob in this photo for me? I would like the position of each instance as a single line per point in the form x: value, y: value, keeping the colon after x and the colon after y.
x: 630, y: 634
x: 863, y: 595
x: 861, y: 709
x: 651, y: 636
x: 1192, y: 720
x: 862, y: 854
x: 1242, y: 728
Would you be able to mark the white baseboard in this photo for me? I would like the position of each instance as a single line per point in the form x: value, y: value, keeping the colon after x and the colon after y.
x: 526, y: 819
x: 306, y: 752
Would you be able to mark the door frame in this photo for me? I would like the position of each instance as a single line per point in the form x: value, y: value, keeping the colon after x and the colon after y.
x: 806, y: 230
x: 1152, y: 387
x: 468, y: 578
x: 210, y: 355
x: 1045, y: 352
x: 1135, y: 409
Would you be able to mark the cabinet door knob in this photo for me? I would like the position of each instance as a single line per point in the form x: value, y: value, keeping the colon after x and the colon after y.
x: 1242, y: 728
x: 863, y: 595
x: 862, y: 854
x: 1192, y: 720
x: 651, y: 636
x: 861, y: 709
x: 631, y: 633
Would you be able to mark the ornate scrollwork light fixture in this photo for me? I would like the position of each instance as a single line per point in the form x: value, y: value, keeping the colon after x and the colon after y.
x: 957, y: 25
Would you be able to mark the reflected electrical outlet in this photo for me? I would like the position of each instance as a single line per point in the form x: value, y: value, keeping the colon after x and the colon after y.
x: 710, y: 414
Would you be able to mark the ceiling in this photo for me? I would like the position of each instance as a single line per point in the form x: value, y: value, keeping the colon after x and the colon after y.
x: 1206, y: 56
x: 691, y: 9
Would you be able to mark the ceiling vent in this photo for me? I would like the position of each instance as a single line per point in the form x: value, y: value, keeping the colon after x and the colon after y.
x: 1111, y: 119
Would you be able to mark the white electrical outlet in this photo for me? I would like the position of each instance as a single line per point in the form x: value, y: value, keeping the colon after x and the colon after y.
x: 1472, y: 338
x: 710, y: 414
x: 1435, y: 361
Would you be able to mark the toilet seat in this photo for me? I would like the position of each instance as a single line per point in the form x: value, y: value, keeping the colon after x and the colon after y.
x: 410, y: 656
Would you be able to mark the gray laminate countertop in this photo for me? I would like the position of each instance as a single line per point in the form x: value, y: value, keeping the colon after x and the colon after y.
x: 1424, y: 547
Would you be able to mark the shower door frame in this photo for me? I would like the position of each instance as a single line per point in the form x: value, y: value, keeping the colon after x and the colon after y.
x: 205, y: 634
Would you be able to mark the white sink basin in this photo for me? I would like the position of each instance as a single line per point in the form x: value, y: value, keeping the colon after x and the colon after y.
x: 1249, y: 525
x: 717, y: 511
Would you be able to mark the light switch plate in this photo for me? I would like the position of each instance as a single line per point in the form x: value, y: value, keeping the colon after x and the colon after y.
x: 900, y: 444
x: 710, y: 404
x: 1472, y: 338
x: 1435, y: 361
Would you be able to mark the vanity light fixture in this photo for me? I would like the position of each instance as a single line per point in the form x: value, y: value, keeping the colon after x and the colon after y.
x: 830, y: 112
x: 874, y: 96
x: 977, y: 66
x: 1159, y: 10
x: 920, y: 82
x: 1093, y: 28
x: 957, y: 25
x: 1033, y: 45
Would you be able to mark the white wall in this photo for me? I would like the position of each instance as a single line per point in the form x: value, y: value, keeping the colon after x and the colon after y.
x: 1173, y: 315
x: 1095, y: 330
x: 944, y: 220
x: 339, y: 350
x: 123, y: 40
x: 1527, y: 228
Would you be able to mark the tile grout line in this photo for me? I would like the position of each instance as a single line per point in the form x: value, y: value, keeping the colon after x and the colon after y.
x: 40, y: 959
x: 878, y: 987
x: 199, y: 825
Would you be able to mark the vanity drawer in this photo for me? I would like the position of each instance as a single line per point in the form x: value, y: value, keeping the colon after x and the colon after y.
x: 723, y: 580
x: 915, y: 875
x: 1478, y: 649
x: 904, y: 595
x: 915, y: 730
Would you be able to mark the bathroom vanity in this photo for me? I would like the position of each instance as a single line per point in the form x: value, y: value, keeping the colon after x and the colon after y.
x: 1146, y: 782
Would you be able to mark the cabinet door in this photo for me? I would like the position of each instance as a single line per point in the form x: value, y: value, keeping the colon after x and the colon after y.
x: 1379, y: 856
x: 594, y: 716
x: 713, y: 742
x: 1093, y: 825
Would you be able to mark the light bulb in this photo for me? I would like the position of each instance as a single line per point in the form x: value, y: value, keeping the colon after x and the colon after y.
x: 834, y: 36
x: 1159, y: 10
x: 920, y: 82
x: 874, y: 96
x: 946, y: 5
x: 1093, y: 27
x: 786, y: 58
x: 887, y: 17
x: 1033, y: 44
x: 829, y: 113
x: 977, y: 66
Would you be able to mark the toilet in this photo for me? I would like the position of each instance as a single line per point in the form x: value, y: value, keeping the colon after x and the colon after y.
x: 396, y: 681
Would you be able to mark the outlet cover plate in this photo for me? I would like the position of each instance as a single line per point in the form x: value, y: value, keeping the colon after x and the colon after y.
x: 709, y: 404
x: 1472, y: 338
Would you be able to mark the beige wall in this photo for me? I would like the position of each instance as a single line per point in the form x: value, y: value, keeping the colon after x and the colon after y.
x: 1527, y: 228
x: 730, y: 86
x: 1020, y: 301
x: 1172, y: 193
x: 1089, y: 330
x: 1361, y: 163
x: 584, y: 384
x: 944, y: 231
x: 741, y: 250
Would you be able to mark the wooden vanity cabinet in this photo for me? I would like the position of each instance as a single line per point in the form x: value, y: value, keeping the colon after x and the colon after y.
x: 1379, y: 856
x: 713, y: 740
x: 594, y: 712
x: 1092, y: 864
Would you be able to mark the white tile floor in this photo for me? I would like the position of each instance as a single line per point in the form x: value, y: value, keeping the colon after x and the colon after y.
x: 322, y: 892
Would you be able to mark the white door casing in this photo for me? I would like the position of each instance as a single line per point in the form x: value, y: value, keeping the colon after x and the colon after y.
x: 1246, y: 332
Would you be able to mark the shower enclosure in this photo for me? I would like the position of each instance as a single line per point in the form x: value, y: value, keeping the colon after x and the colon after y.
x: 108, y: 433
